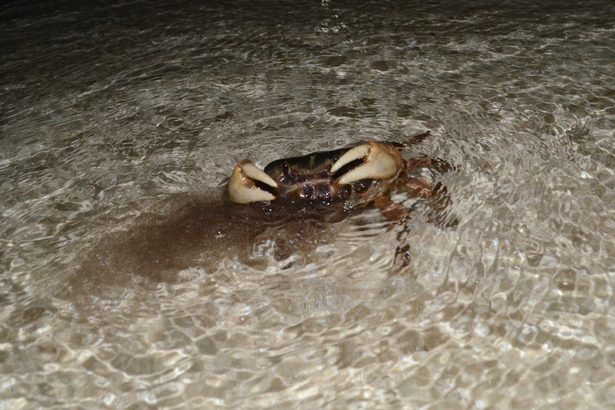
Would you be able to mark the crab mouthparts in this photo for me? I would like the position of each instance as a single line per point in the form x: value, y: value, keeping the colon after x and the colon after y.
x: 376, y: 161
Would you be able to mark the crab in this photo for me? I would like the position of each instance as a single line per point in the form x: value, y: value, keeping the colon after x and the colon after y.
x: 288, y: 204
x: 347, y: 178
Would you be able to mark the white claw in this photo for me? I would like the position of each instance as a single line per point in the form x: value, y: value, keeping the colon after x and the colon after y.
x: 241, y: 187
x: 380, y: 162
x: 250, y: 170
x: 357, y: 152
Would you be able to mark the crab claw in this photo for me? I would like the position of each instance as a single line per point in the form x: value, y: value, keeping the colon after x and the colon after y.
x: 380, y: 161
x: 242, y: 186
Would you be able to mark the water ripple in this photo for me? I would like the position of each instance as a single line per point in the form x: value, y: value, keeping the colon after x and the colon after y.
x: 111, y: 113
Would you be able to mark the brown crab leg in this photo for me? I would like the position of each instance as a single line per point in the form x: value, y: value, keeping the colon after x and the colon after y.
x: 391, y: 210
x: 416, y: 187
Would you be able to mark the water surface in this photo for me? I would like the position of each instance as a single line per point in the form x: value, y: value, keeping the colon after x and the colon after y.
x: 110, y: 113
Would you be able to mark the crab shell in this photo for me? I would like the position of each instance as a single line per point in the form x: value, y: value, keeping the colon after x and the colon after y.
x: 327, y: 176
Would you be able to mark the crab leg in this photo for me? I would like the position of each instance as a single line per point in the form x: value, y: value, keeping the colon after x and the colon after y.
x: 380, y: 161
x: 242, y: 186
x: 391, y: 210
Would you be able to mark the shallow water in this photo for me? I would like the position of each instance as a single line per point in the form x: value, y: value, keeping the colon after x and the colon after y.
x: 113, y: 112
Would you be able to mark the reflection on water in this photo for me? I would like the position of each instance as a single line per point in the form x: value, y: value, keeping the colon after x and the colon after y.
x: 108, y: 112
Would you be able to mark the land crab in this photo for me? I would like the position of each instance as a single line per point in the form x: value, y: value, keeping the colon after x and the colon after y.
x: 287, y: 206
x: 346, y: 178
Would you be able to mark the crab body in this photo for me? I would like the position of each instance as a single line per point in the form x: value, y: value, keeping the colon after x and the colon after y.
x: 307, y: 178
x: 348, y: 178
x: 344, y: 175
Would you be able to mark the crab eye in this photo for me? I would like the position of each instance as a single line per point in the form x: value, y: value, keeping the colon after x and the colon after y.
x: 286, y: 169
x: 288, y: 173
